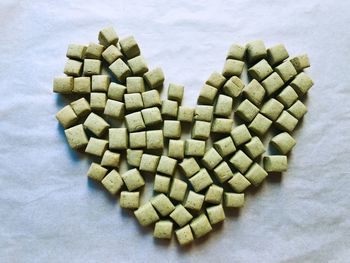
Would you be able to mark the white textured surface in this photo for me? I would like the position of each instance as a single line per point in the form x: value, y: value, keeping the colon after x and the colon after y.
x: 50, y: 212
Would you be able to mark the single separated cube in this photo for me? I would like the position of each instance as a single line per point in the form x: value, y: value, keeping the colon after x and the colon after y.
x: 214, y: 194
x: 114, y: 109
x: 167, y: 165
x: 223, y: 172
x: 172, y: 129
x: 225, y: 146
x: 76, y: 136
x: 110, y: 159
x: 233, y: 200
x: 76, y: 51
x: 96, y: 146
x: 240, y: 135
x: 272, y: 83
x: 133, y: 179
x: 175, y: 92
x: 207, y: 95
x: 137, y: 140
x: 189, y: 166
x: 298, y: 109
x: 238, y: 182
x: 176, y: 149
x: 129, y: 200
x: 129, y: 47
x: 67, y: 117
x: 241, y: 161
x: 260, y: 125
x: 92, y: 67
x: 272, y: 109
x: 116, y: 92
x: 94, y: 51
x: 162, y: 204
x: 203, y: 113
x: 73, y: 68
x: 82, y: 85
x: 233, y: 87
x: 286, y: 71
x: 154, y: 78
x: 113, y: 182
x: 200, y: 130
x: 201, y: 180
x: 133, y: 157
x: 283, y: 142
x: 169, y: 108
x: 96, y: 172
x: 216, y: 214
x: 286, y: 122
x: 134, y: 122
x: 63, y: 85
x: 107, y: 36
x: 232, y: 67
x: 254, y: 148
x: 151, y: 116
x: 185, y: 114
x: 178, y: 190
x: 98, y: 101
x: 184, y: 235
x: 260, y: 70
x: 216, y: 80
x: 120, y: 70
x: 181, y: 216
x: 135, y: 85
x: 275, y: 163
x: 194, y: 201
x: 277, y: 54
x: 100, y: 83
x: 154, y: 139
x: 161, y: 184
x: 256, y: 174
x: 194, y: 147
x: 300, y: 62
x: 138, y: 65
x: 247, y: 111
x: 254, y: 92
x: 133, y: 101
x: 163, y: 229
x: 149, y: 163
x: 223, y: 106
x: 118, y: 138
x: 302, y: 83
x: 151, y: 98
x: 236, y: 52
x: 111, y: 54
x: 200, y: 226
x: 146, y: 214
x: 222, y: 125
x: 256, y: 51
x: 287, y: 96
x: 96, y: 124
x: 81, y: 107
x: 211, y: 159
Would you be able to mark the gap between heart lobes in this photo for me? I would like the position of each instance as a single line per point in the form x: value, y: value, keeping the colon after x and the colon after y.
x: 228, y: 126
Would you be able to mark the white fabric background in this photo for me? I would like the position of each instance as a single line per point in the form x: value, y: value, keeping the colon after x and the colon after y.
x: 50, y: 212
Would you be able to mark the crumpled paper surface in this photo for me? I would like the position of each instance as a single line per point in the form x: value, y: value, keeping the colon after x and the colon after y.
x: 50, y: 212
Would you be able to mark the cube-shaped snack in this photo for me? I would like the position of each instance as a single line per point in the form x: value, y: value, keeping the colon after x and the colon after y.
x: 241, y: 161
x: 149, y: 163
x: 176, y: 149
x: 207, y: 94
x: 118, y: 138
x: 107, y: 36
x: 92, y: 67
x: 172, y: 129
x: 162, y: 204
x: 96, y: 172
x: 283, y: 142
x: 96, y: 124
x: 73, y: 68
x: 298, y: 109
x: 114, y: 109
x: 134, y: 122
x: 81, y: 107
x: 120, y: 70
x: 286, y: 71
x: 111, y: 54
x: 272, y: 109
x: 133, y: 101
x: 275, y: 163
x: 167, y: 165
x: 184, y: 235
x: 254, y: 92
x: 76, y: 136
x: 256, y: 51
x: 151, y: 98
x: 254, y: 148
x: 133, y: 157
x: 175, y: 92
x: 225, y: 146
x: 238, y: 182
x: 133, y: 179
x: 116, y: 91
x: 216, y: 214
x: 223, y: 172
x: 201, y: 180
x: 137, y: 140
x: 232, y: 67
x: 302, y: 83
x: 194, y: 201
x: 129, y: 200
x: 211, y: 159
x: 151, y: 116
x: 189, y: 167
x: 181, y: 216
x: 129, y: 47
x: 63, y: 85
x: 260, y: 125
x: 272, y: 83
x: 76, y: 51
x: 100, y: 83
x: 98, y: 101
x: 138, y: 65
x: 67, y: 117
x: 110, y: 159
x: 286, y: 122
x: 277, y: 54
x: 94, y: 51
x: 256, y: 174
x: 240, y: 135
x: 163, y: 229
x: 216, y: 80
x: 194, y: 148
x: 214, y: 194
x: 135, y: 84
x: 223, y: 106
x: 300, y: 62
x: 161, y: 184
x: 233, y: 87
x: 113, y: 182
x: 260, y: 70
x: 154, y: 78
x: 200, y: 130
x: 233, y: 200
x: 178, y: 190
x: 146, y: 214
x: 287, y: 96
x: 154, y: 139
x: 247, y: 110
x: 222, y: 125
x: 82, y: 85
x: 169, y: 108
x: 236, y: 52
x: 96, y: 146
x: 203, y: 113
x: 200, y: 226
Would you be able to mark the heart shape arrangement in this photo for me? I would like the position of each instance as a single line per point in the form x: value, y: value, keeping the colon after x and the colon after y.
x: 214, y: 175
